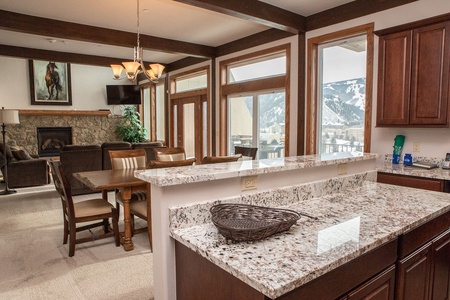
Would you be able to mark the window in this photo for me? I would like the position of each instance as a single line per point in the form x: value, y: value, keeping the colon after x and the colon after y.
x: 258, y: 120
x: 190, y: 115
x: 267, y: 67
x: 254, y: 104
x: 191, y: 82
x: 339, y: 118
x: 153, y: 111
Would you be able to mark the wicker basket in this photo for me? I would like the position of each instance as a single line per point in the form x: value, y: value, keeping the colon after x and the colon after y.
x: 242, y: 222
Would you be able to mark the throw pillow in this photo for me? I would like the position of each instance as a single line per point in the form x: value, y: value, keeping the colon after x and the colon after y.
x: 21, y: 155
x: 9, y: 155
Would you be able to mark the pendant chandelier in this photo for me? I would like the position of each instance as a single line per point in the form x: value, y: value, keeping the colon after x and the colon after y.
x: 133, y: 68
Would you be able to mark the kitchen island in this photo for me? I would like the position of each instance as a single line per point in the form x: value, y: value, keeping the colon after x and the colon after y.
x: 357, y: 226
x: 186, y: 193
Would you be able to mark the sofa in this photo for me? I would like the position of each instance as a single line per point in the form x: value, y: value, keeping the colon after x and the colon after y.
x: 23, y: 169
x: 83, y: 158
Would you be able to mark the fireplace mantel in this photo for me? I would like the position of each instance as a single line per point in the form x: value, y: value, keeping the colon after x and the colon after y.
x: 94, y: 113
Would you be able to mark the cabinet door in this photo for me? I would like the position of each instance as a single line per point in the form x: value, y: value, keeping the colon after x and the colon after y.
x: 441, y: 267
x: 429, y: 80
x: 394, y: 70
x: 379, y: 288
x: 413, y: 280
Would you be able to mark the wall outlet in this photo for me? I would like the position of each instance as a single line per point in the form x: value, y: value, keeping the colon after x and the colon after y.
x: 416, y: 147
x: 342, y: 169
x: 249, y: 183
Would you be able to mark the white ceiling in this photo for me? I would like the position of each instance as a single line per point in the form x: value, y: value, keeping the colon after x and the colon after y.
x: 160, y: 18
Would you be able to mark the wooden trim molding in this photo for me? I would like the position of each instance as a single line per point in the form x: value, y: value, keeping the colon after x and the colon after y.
x: 83, y: 113
x: 312, y: 83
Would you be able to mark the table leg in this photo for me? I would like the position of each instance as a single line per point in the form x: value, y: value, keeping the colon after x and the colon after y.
x: 127, y: 242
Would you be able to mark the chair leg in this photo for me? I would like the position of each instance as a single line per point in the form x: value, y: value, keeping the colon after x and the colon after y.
x: 149, y: 229
x: 66, y: 230
x: 106, y: 225
x: 132, y: 224
x: 115, y: 221
x: 72, y: 239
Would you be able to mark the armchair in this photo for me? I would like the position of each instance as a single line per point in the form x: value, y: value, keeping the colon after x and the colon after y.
x: 24, y: 170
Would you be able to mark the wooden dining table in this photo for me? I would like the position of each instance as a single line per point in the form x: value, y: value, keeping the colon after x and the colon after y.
x: 122, y: 179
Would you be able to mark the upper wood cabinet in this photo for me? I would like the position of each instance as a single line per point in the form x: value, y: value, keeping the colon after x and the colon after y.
x: 413, y: 76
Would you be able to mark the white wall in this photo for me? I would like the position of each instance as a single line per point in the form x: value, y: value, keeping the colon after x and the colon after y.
x: 88, y: 86
x: 433, y: 142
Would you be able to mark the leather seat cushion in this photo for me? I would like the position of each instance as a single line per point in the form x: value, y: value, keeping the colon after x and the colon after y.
x: 92, y: 207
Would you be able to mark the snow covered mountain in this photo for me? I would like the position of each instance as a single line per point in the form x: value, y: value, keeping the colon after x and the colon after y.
x: 343, y: 102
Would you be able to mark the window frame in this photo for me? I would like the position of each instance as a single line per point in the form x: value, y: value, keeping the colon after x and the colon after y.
x: 312, y: 100
x: 252, y: 86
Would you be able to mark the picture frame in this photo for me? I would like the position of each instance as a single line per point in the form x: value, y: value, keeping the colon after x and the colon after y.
x: 50, y: 83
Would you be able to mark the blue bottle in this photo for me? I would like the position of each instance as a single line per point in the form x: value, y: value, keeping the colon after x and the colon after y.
x: 407, y: 160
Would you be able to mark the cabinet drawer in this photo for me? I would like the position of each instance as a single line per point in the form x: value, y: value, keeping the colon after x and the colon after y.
x: 411, y: 181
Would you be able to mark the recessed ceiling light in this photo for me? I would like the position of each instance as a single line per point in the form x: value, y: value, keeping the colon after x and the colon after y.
x: 146, y: 10
x: 51, y: 41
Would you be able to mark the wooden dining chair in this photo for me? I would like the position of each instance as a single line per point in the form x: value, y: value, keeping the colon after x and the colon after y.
x: 82, y: 211
x: 131, y: 159
x: 220, y: 159
x: 169, y: 154
x: 246, y: 151
x: 142, y: 209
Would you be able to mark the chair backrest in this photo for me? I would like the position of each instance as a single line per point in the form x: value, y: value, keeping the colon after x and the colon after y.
x: 169, y: 154
x: 62, y: 187
x: 148, y: 146
x: 220, y: 159
x: 109, y: 146
x: 128, y: 159
x: 169, y: 164
x: 246, y: 151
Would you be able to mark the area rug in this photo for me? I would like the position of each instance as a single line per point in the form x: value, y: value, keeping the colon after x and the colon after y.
x: 34, y: 263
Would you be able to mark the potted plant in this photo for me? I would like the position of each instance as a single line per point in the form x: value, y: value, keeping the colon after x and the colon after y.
x: 130, y: 128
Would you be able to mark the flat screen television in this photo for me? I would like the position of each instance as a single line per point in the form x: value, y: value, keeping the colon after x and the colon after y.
x: 123, y: 94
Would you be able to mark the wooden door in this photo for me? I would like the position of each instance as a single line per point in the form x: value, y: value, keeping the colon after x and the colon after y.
x: 188, y: 125
x: 394, y: 69
x: 430, y: 73
x: 413, y: 277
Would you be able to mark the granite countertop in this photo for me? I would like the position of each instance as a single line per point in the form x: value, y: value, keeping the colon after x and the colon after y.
x: 199, y: 173
x: 436, y: 173
x: 351, y: 222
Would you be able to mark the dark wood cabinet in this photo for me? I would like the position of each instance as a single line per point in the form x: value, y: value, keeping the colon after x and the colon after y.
x: 440, y: 289
x: 382, y: 287
x: 425, y: 273
x: 411, y: 181
x: 413, y: 77
x: 414, y: 271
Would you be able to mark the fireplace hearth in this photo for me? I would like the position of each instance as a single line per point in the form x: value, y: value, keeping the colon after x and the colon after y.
x: 52, y: 139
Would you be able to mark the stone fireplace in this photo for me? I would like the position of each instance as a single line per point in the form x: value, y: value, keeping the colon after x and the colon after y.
x: 87, y: 127
x: 50, y: 140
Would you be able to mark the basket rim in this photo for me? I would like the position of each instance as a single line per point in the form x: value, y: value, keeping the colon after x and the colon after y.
x: 214, y: 209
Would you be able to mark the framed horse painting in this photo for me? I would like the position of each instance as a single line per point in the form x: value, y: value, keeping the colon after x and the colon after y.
x: 50, y: 83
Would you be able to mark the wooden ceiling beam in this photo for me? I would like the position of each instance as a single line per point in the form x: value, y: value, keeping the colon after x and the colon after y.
x: 255, y: 11
x: 72, y: 31
x: 37, y: 54
x: 349, y: 11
